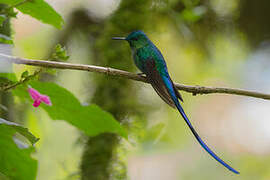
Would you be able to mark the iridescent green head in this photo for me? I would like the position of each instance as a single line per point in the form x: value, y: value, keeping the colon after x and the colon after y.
x: 136, y: 39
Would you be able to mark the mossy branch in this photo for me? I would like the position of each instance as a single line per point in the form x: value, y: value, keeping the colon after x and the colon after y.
x: 124, y: 74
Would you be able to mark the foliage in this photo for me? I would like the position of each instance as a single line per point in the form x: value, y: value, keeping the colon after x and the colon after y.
x: 2, y: 19
x: 38, y: 9
x: 16, y: 161
x: 60, y: 53
x: 5, y: 39
x: 90, y: 119
x: 15, y: 155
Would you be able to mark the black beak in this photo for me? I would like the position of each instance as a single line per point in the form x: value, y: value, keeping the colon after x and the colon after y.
x: 119, y: 38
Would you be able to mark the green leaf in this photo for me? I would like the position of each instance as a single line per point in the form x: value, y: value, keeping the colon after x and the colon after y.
x: 59, y: 53
x: 2, y: 19
x: 38, y: 9
x: 91, y: 119
x: 19, y: 129
x: 16, y: 163
x: 5, y: 39
x: 25, y: 74
x: 10, y: 76
x: 7, y: 79
x: 10, y: 12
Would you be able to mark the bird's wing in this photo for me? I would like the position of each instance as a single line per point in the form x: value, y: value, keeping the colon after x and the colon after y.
x: 154, y: 78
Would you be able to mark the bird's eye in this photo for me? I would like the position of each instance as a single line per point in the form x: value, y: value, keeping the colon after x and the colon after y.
x: 135, y: 39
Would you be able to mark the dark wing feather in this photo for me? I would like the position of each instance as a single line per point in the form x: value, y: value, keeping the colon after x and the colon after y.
x: 154, y: 78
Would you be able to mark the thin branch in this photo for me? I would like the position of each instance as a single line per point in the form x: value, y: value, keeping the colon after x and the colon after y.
x: 21, y: 81
x: 124, y: 74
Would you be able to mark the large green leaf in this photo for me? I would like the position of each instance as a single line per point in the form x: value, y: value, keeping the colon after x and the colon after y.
x: 19, y: 129
x: 38, y: 9
x: 91, y: 119
x: 16, y: 163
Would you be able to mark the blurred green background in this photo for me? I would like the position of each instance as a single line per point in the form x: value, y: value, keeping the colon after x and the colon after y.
x: 205, y: 42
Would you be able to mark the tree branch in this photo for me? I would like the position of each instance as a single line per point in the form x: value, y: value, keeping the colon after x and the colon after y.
x: 124, y: 74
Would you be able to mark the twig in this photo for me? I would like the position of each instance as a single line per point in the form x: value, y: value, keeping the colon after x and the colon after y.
x: 22, y: 81
x: 124, y: 74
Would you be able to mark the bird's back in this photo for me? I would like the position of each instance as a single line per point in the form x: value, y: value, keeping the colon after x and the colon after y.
x: 150, y: 53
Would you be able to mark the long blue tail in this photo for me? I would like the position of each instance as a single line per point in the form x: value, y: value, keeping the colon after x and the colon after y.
x: 180, y: 109
x: 183, y: 114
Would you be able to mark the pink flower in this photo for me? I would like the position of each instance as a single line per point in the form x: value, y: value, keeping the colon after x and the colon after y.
x: 38, y: 98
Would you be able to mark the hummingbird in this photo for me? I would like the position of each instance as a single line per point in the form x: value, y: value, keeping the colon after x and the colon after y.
x: 149, y: 60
